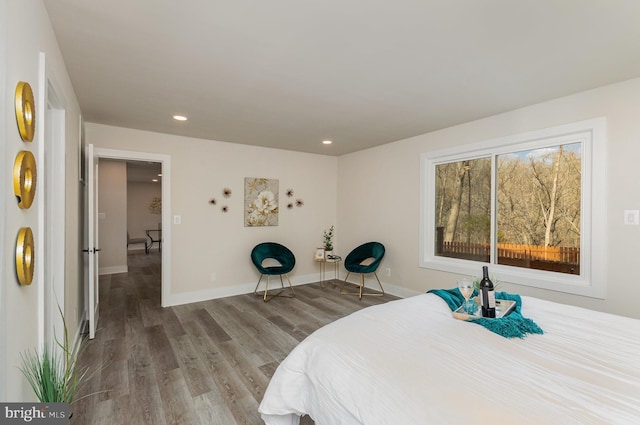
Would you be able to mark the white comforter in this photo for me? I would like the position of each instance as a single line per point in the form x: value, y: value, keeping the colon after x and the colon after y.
x: 410, y: 362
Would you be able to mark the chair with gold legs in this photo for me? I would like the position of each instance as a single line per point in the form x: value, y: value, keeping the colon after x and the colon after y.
x: 273, y: 259
x: 363, y: 260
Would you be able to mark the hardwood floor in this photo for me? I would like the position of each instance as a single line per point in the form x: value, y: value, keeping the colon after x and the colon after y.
x: 201, y: 363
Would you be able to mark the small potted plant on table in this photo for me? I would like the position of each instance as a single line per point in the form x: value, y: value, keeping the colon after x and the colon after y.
x: 328, y: 242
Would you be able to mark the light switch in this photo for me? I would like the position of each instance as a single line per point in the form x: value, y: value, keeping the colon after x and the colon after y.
x: 102, y: 216
x: 177, y: 219
x: 632, y: 217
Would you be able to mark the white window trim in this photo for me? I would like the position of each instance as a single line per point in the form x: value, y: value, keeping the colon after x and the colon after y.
x: 592, y: 280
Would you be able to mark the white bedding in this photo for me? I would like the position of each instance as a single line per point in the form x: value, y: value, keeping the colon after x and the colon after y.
x: 410, y: 362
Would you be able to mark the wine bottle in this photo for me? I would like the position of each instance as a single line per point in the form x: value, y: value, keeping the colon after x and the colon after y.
x: 488, y: 295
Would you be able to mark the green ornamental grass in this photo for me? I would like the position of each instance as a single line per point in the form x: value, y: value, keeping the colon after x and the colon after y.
x: 52, y: 372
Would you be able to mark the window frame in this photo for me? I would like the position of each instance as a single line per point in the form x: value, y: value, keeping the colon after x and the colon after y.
x: 592, y: 279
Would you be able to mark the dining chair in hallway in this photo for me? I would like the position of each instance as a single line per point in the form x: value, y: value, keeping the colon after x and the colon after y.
x: 135, y: 241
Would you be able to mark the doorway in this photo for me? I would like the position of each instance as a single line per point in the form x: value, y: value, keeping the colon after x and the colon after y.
x: 144, y: 208
x: 164, y: 221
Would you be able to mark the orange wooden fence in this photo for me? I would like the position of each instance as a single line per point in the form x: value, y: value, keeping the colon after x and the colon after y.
x: 559, y: 254
x: 505, y: 250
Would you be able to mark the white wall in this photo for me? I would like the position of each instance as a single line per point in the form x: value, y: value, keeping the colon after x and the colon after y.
x: 139, y: 218
x: 4, y: 194
x: 378, y: 196
x: 210, y: 249
x: 26, y: 32
x: 112, y: 216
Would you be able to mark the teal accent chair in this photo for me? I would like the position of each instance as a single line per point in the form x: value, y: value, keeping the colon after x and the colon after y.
x: 273, y: 259
x: 363, y: 260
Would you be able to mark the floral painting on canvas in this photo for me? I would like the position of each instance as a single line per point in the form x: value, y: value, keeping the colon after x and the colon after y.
x: 260, y: 202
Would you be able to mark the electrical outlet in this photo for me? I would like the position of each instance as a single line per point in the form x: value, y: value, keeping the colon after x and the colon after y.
x: 388, y: 270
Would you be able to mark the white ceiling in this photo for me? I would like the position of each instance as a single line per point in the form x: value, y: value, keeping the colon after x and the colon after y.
x: 291, y: 73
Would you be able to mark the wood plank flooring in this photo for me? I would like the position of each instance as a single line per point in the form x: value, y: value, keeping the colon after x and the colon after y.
x: 201, y: 363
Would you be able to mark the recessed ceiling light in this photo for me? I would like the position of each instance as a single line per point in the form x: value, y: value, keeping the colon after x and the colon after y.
x: 154, y: 180
x: 179, y: 118
x: 327, y: 142
x: 159, y: 174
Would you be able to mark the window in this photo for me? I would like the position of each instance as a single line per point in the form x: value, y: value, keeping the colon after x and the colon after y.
x: 531, y: 206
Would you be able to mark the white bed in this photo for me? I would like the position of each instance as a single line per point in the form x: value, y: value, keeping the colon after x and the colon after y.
x: 410, y: 362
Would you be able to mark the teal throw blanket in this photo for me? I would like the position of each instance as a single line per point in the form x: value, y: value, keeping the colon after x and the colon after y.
x: 514, y: 325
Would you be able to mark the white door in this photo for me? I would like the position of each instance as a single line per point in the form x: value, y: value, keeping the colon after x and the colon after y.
x: 92, y: 250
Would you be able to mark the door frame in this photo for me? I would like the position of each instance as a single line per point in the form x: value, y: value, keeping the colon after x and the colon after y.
x: 52, y: 218
x: 51, y: 212
x: 165, y: 161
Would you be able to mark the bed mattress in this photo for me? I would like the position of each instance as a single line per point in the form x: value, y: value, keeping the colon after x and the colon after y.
x: 410, y: 362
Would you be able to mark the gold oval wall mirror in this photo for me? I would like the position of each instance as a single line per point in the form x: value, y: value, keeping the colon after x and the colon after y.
x: 24, y: 178
x: 25, y: 111
x: 25, y: 259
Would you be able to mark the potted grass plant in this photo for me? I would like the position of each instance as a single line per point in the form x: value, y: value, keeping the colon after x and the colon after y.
x: 53, y: 372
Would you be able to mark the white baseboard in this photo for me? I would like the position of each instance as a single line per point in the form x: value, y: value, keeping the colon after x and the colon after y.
x: 248, y: 288
x: 113, y: 270
x: 228, y: 291
x: 399, y: 291
x: 389, y: 288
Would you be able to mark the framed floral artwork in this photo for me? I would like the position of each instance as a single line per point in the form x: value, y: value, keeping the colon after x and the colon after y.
x: 260, y: 202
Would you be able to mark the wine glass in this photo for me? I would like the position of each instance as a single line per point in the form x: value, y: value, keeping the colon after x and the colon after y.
x: 465, y: 286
